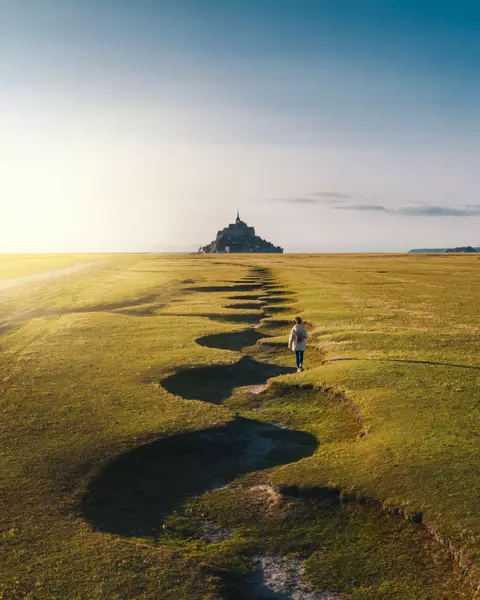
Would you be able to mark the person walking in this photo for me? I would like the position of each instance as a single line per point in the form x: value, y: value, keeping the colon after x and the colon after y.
x: 298, y: 342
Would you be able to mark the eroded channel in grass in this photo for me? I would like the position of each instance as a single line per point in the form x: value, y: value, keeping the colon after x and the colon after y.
x: 134, y: 493
x: 196, y: 384
x: 236, y: 341
x: 208, y: 493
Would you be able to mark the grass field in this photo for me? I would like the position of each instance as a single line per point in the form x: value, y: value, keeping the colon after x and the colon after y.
x: 143, y: 454
x: 17, y: 265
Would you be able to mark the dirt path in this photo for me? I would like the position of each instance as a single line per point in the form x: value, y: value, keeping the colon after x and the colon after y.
x: 6, y: 284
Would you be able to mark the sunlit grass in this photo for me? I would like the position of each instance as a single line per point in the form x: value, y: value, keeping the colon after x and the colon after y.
x: 17, y: 265
x: 80, y: 373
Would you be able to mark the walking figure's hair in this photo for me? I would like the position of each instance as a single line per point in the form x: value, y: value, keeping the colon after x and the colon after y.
x: 298, y: 320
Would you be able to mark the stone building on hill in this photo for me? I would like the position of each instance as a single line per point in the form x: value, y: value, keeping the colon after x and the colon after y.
x: 239, y: 237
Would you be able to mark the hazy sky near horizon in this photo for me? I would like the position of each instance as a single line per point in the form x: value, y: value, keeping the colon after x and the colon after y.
x: 333, y: 125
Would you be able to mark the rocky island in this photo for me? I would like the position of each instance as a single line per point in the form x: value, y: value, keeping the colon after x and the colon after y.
x: 460, y: 249
x: 239, y: 237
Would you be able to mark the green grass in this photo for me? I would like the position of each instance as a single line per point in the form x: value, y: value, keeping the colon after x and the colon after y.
x: 422, y: 450
x: 81, y: 370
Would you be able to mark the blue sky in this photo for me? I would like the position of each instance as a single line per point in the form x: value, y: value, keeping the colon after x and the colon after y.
x: 143, y: 125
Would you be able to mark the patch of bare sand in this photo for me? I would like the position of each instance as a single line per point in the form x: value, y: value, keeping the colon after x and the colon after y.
x: 280, y: 578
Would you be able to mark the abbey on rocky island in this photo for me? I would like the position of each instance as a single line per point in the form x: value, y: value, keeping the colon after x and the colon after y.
x: 239, y: 237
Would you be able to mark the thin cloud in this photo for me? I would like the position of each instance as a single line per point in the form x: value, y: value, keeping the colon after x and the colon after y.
x: 333, y: 196
x: 440, y: 211
x: 417, y: 211
x: 317, y: 198
x: 296, y: 200
x: 342, y: 201
x: 365, y: 208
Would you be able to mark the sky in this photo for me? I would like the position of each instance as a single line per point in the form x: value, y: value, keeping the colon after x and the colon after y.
x: 333, y: 125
